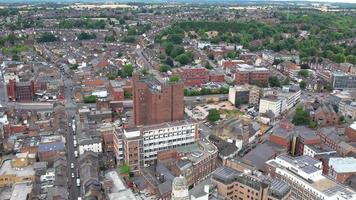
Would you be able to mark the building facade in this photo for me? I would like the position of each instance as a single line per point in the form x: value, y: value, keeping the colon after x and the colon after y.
x: 304, y: 175
x: 233, y: 184
x: 157, y: 101
x: 141, y: 145
x: 340, y: 80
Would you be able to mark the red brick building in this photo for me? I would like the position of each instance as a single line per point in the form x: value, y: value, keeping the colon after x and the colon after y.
x: 216, y: 77
x: 20, y: 91
x: 157, y: 101
x: 116, y: 91
x: 325, y: 116
x: 247, y: 74
x: 193, y: 76
x: 350, y: 132
x: 342, y: 168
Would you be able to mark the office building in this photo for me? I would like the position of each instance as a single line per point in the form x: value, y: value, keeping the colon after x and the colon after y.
x: 233, y: 184
x: 142, y: 144
x: 341, y: 80
x: 248, y: 74
x: 156, y: 100
x: 304, y: 175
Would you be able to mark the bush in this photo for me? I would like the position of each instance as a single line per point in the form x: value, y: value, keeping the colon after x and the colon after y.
x: 164, y: 68
x: 174, y: 79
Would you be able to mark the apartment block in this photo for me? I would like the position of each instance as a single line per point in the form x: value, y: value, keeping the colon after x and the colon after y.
x: 340, y: 80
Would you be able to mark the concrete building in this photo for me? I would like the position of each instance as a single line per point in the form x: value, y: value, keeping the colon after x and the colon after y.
x: 180, y: 189
x: 248, y: 74
x: 291, y: 94
x: 304, y: 175
x: 270, y: 104
x: 340, y: 80
x: 90, y: 144
x: 233, y: 184
x: 348, y: 109
x: 10, y: 175
x: 142, y: 144
x: 157, y: 101
x: 238, y: 95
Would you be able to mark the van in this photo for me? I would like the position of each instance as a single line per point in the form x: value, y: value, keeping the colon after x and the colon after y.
x: 78, y: 182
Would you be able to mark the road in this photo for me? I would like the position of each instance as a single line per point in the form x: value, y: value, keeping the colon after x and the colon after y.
x: 70, y: 108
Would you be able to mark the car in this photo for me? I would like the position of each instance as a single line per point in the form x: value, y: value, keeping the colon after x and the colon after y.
x: 76, y: 154
x: 73, y: 175
x: 72, y: 165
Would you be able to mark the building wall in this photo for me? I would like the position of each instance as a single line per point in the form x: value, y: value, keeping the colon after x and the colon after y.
x: 266, y: 105
x: 343, y: 81
x: 165, y: 138
x: 132, y: 154
x: 94, y: 147
x: 157, y: 107
x: 194, y: 76
x: 351, y: 134
x: 7, y: 180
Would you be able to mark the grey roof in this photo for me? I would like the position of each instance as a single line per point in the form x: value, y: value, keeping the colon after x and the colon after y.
x: 46, y: 147
x: 163, y: 170
x: 259, y: 155
x: 165, y: 187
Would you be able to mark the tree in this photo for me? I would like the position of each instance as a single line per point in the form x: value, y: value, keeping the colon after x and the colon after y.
x: 213, y: 115
x: 168, y: 47
x: 302, y: 85
x: 15, y: 57
x: 90, y: 99
x: 177, y: 50
x: 86, y: 36
x: 211, y: 56
x: 47, y: 37
x: 208, y: 66
x: 342, y: 119
x: 174, y: 78
x: 231, y: 55
x: 127, y: 95
x: 274, y: 81
x: 169, y: 62
x: 164, y: 68
x: 304, y: 73
x: 301, y: 116
x: 183, y: 59
x: 127, y: 70
x: 175, y: 38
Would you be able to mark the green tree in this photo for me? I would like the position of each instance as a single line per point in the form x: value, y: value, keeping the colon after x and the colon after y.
x: 90, y: 99
x: 274, y: 81
x: 286, y: 81
x: 302, y: 85
x: 211, y: 56
x: 208, y: 66
x: 127, y: 70
x: 301, y: 116
x: 304, y: 73
x: 47, y: 37
x: 168, y: 47
x: 214, y: 115
x: 183, y: 59
x: 231, y: 55
x: 174, y: 78
x: 127, y: 95
x: 342, y: 119
x: 177, y: 50
x: 86, y: 36
x: 164, y: 68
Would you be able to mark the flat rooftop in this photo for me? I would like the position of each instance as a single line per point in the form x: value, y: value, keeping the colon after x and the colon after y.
x: 343, y: 165
x: 7, y: 169
x: 20, y: 191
